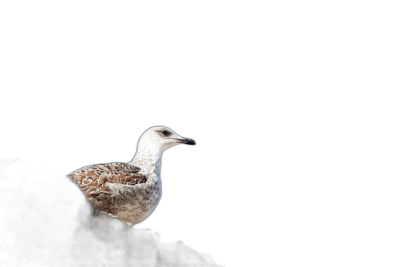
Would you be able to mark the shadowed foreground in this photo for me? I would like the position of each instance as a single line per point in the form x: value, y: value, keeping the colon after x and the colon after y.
x: 45, y: 221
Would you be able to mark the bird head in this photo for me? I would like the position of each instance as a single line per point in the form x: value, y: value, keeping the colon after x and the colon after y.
x: 160, y: 138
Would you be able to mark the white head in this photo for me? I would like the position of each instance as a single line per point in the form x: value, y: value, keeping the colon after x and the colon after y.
x: 159, y: 138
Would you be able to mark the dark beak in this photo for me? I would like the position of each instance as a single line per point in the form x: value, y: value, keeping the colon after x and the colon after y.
x: 186, y: 141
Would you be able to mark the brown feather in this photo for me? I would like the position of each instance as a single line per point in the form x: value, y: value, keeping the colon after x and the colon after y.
x: 122, y: 173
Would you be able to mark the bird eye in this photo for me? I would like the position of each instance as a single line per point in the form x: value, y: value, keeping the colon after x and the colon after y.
x: 165, y: 133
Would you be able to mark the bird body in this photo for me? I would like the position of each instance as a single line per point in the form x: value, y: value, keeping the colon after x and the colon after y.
x: 129, y: 191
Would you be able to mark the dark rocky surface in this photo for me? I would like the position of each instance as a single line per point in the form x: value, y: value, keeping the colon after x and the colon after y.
x: 45, y: 221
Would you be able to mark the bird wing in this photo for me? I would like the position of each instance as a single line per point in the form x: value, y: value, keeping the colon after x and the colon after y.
x: 93, y: 179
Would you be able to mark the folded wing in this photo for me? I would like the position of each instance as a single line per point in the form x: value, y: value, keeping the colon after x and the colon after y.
x: 93, y: 178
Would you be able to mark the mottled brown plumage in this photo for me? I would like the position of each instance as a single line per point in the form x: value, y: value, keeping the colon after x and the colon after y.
x: 121, y: 173
x: 95, y: 180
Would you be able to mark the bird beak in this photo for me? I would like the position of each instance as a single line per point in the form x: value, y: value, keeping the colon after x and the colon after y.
x: 186, y: 141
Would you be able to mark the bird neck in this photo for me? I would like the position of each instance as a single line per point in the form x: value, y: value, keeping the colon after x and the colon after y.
x: 148, y: 159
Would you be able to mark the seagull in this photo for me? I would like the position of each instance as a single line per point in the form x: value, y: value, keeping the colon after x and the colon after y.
x: 129, y: 191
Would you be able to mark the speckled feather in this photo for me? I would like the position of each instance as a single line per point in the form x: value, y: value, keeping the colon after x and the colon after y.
x: 91, y: 178
x: 118, y: 190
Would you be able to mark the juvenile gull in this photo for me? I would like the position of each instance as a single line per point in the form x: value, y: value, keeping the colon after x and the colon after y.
x: 130, y: 191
